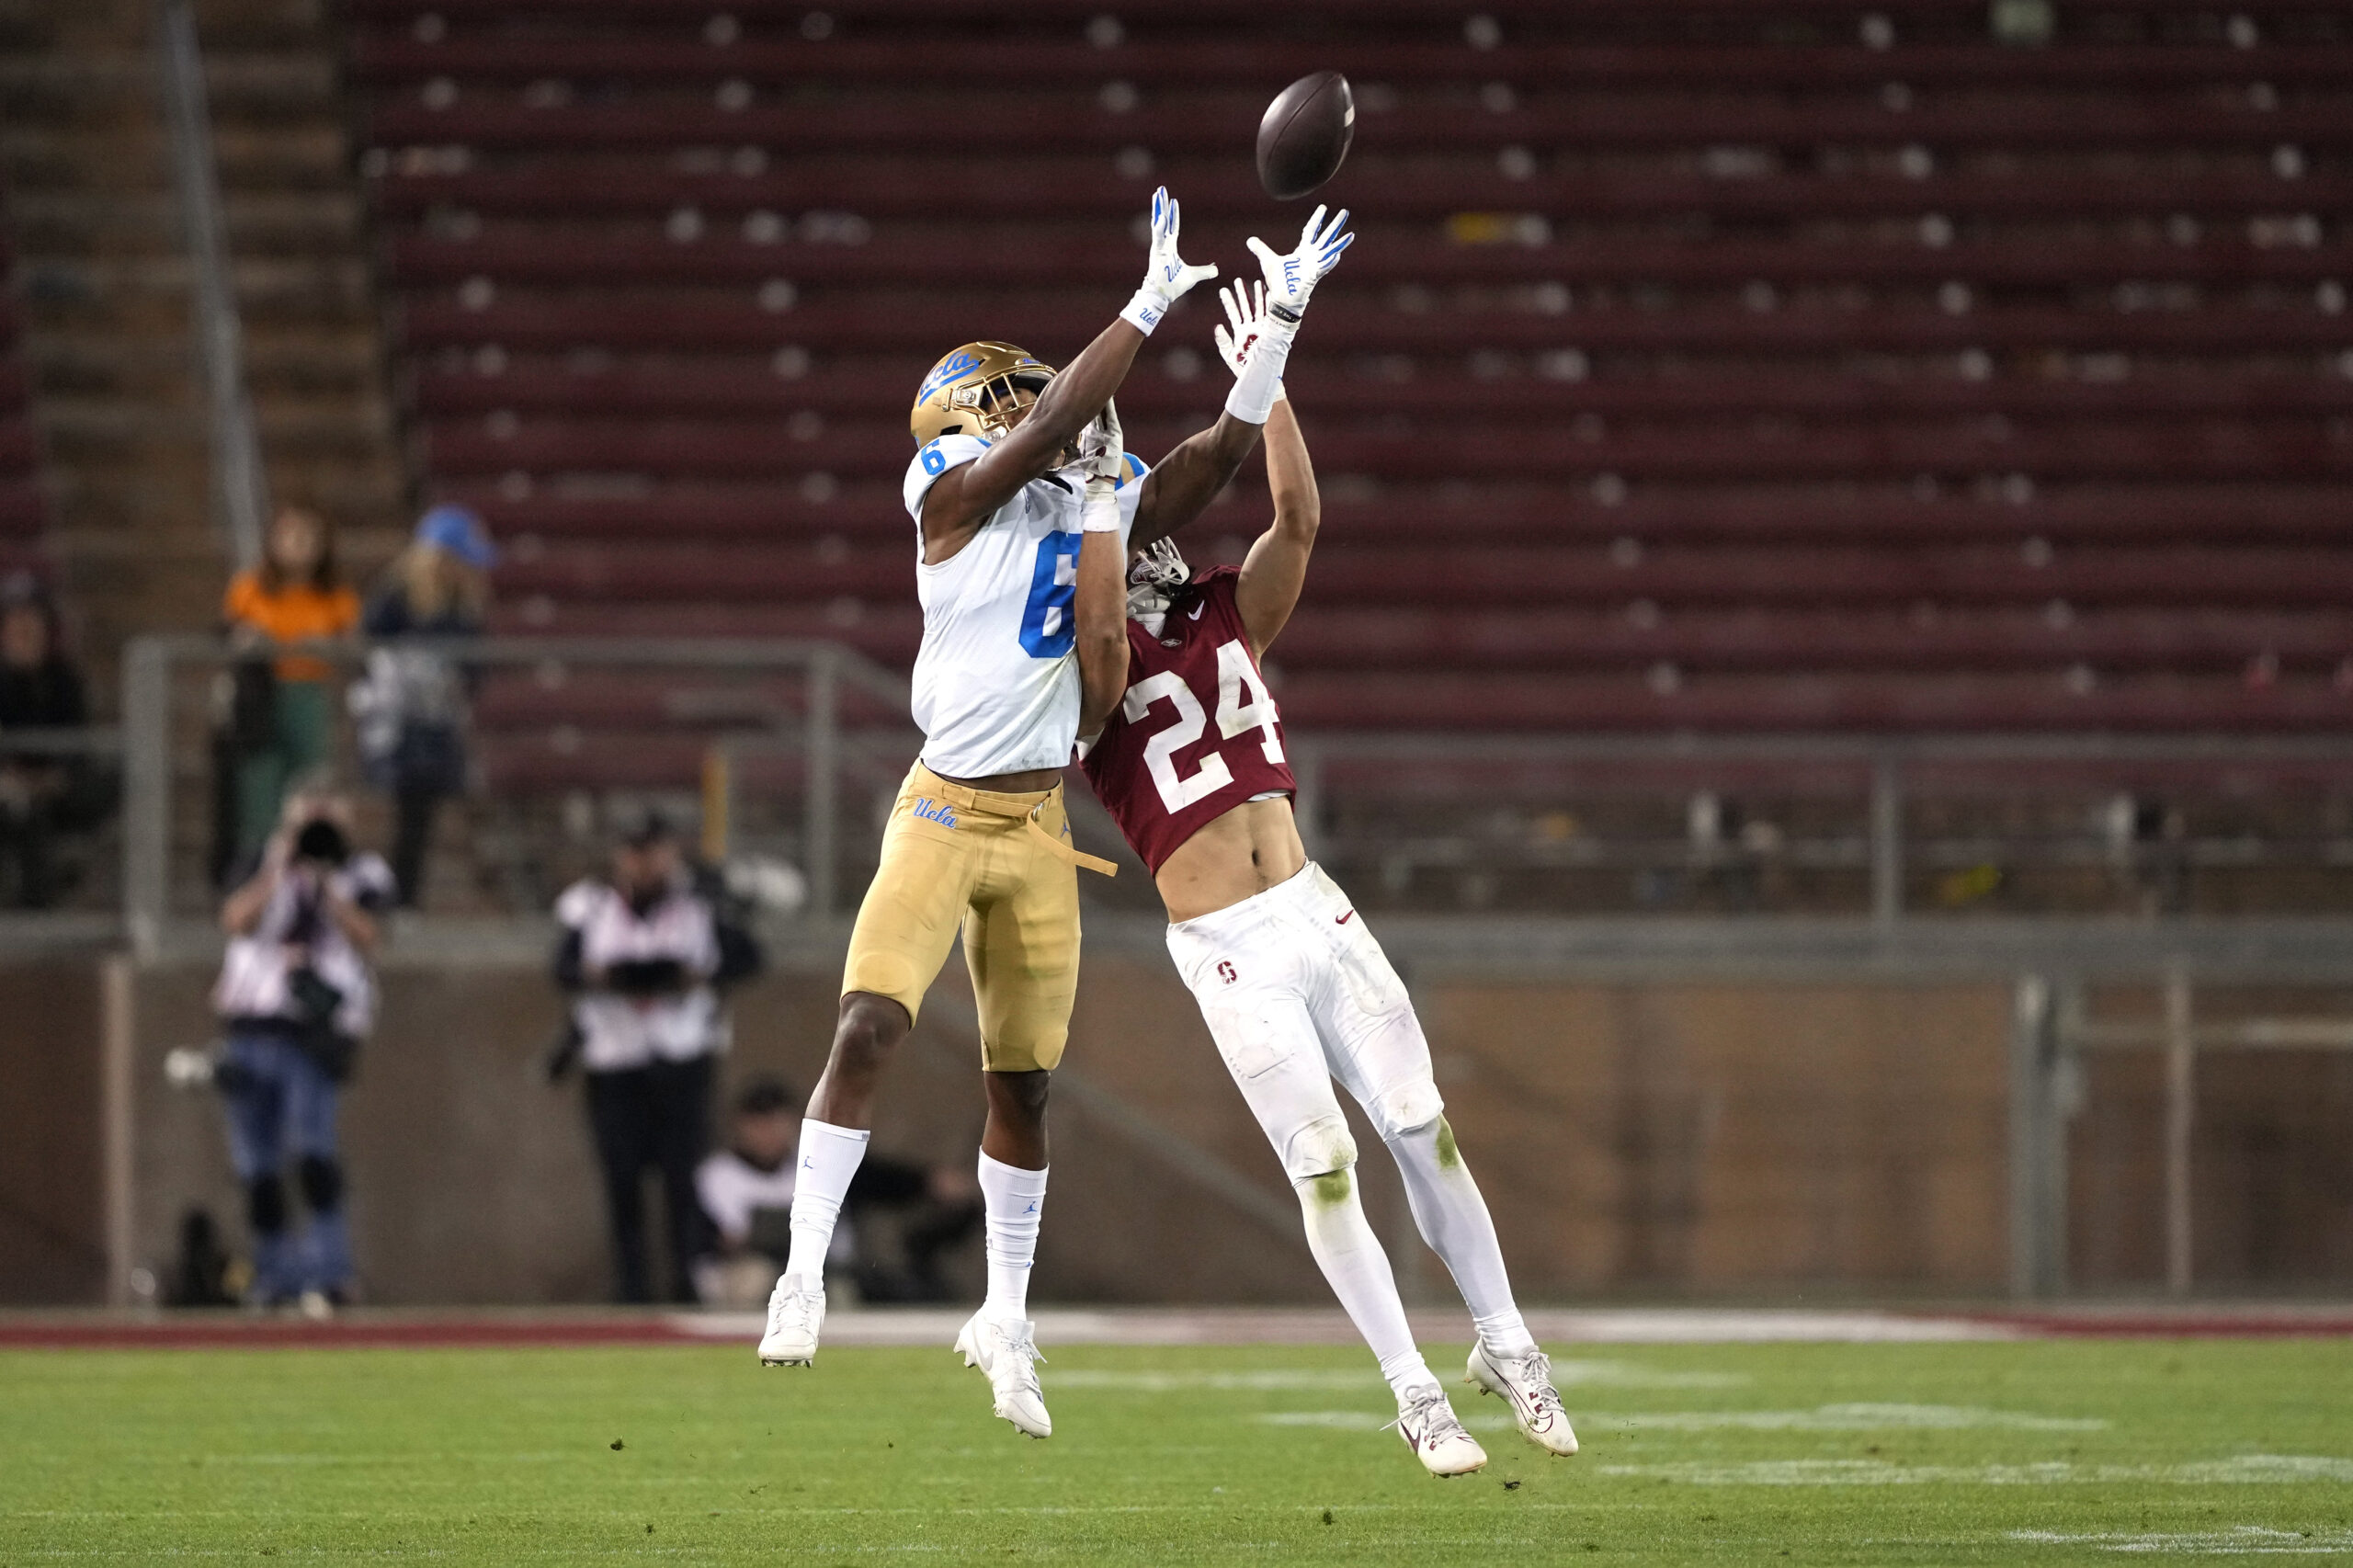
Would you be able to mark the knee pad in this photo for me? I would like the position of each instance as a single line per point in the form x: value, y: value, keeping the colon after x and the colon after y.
x: 321, y: 1180
x: 265, y: 1205
x: 1407, y: 1107
x: 1318, y: 1147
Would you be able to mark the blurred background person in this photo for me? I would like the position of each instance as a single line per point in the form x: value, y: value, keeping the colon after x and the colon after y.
x: 746, y: 1194
x: 411, y: 705
x: 296, y: 997
x: 280, y: 710
x: 645, y: 957
x: 41, y: 688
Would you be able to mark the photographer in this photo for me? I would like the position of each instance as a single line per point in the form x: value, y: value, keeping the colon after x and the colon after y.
x: 296, y: 998
x: 643, y: 957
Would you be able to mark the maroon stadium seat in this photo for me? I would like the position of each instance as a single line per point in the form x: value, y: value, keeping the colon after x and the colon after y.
x: 1699, y: 366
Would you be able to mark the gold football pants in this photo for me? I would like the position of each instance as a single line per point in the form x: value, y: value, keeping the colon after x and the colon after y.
x: 1001, y: 868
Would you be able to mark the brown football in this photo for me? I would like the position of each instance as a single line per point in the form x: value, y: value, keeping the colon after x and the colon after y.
x: 1305, y: 133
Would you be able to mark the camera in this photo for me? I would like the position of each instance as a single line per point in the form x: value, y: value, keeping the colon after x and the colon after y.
x: 321, y: 842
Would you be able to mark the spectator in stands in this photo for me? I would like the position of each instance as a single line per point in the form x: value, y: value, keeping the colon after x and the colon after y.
x: 746, y: 1192
x: 645, y: 957
x: 296, y: 998
x: 411, y: 707
x: 41, y: 688
x: 281, y: 710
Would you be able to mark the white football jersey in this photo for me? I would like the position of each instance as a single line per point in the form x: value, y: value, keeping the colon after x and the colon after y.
x: 996, y: 681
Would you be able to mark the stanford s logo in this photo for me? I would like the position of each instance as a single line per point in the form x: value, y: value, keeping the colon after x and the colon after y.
x: 1225, y: 971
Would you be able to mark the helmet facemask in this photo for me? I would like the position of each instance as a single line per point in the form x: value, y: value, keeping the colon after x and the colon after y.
x: 1156, y: 575
x: 1003, y: 403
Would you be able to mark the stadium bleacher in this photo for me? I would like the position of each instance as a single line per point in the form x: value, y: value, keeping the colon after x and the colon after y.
x: 1745, y: 365
x: 24, y: 512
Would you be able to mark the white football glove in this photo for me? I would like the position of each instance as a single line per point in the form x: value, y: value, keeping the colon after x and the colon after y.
x: 1291, y: 278
x: 1102, y: 449
x: 1165, y: 275
x: 1245, y: 314
x: 1102, y: 455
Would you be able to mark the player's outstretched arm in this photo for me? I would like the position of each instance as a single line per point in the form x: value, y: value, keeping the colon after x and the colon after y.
x: 1100, y: 611
x: 1189, y: 478
x: 966, y: 495
x: 1275, y: 569
x: 1102, y: 615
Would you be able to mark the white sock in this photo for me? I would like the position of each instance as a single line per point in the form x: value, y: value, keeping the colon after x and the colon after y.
x: 1454, y: 1219
x: 1350, y: 1256
x: 827, y: 1158
x: 1015, y: 1201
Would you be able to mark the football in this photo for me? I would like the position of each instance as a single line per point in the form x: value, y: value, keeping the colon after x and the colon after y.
x: 1305, y: 134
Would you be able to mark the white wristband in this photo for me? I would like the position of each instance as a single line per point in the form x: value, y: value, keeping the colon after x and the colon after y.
x: 1144, y: 311
x: 1100, y: 515
x: 1261, y: 381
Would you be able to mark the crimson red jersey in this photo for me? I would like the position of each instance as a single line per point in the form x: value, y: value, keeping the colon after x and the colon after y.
x: 1198, y: 733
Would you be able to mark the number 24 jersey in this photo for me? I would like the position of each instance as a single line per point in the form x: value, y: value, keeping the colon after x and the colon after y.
x: 1197, y: 733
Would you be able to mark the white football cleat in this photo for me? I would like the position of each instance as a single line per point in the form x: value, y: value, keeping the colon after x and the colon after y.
x: 1005, y: 1353
x: 795, y: 1312
x: 1526, y: 1383
x: 1438, y: 1439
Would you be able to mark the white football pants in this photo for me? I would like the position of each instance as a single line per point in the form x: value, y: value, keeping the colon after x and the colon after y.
x: 1296, y: 992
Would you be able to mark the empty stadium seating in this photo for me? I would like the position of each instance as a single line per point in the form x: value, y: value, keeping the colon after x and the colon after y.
x: 23, y: 513
x: 1732, y: 364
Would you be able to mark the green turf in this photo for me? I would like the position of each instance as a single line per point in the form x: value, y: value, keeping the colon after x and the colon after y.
x: 2013, y: 1453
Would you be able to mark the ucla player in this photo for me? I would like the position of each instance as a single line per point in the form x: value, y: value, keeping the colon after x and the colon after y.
x: 1024, y: 501
x: 1294, y: 989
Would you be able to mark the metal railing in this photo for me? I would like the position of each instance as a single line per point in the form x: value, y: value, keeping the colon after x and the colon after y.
x: 1885, y: 774
x: 152, y: 712
x: 2051, y: 1033
x: 1881, y: 778
x: 240, y: 483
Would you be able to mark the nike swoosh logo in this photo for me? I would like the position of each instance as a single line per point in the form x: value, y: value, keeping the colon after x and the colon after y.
x: 1343, y: 919
x: 1197, y: 612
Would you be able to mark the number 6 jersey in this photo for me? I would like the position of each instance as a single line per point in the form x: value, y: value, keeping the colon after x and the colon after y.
x: 995, y: 687
x: 1197, y: 733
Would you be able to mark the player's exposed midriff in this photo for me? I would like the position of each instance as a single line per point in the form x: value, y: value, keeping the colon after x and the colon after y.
x: 1239, y: 855
x: 1027, y: 783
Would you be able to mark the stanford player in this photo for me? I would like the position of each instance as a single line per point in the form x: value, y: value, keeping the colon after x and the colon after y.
x: 1294, y: 989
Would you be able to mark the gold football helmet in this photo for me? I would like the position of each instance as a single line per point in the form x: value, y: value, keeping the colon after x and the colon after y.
x: 973, y: 390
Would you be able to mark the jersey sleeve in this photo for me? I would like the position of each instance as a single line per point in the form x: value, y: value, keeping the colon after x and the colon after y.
x: 578, y: 905
x: 237, y: 603
x: 723, y: 1199
x: 368, y: 881
x: 1131, y: 494
x: 923, y: 470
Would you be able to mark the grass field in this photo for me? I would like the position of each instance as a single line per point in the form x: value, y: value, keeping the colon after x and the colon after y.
x: 2032, y: 1452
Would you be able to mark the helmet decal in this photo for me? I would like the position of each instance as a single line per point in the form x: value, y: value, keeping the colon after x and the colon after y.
x: 964, y: 362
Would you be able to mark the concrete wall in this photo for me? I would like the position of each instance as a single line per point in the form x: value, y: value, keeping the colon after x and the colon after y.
x: 1633, y: 1140
x: 1702, y: 1139
x: 51, y: 1226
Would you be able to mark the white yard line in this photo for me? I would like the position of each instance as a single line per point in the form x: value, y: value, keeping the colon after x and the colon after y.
x: 2240, y: 1541
x: 1557, y: 1328
x: 2244, y: 1469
